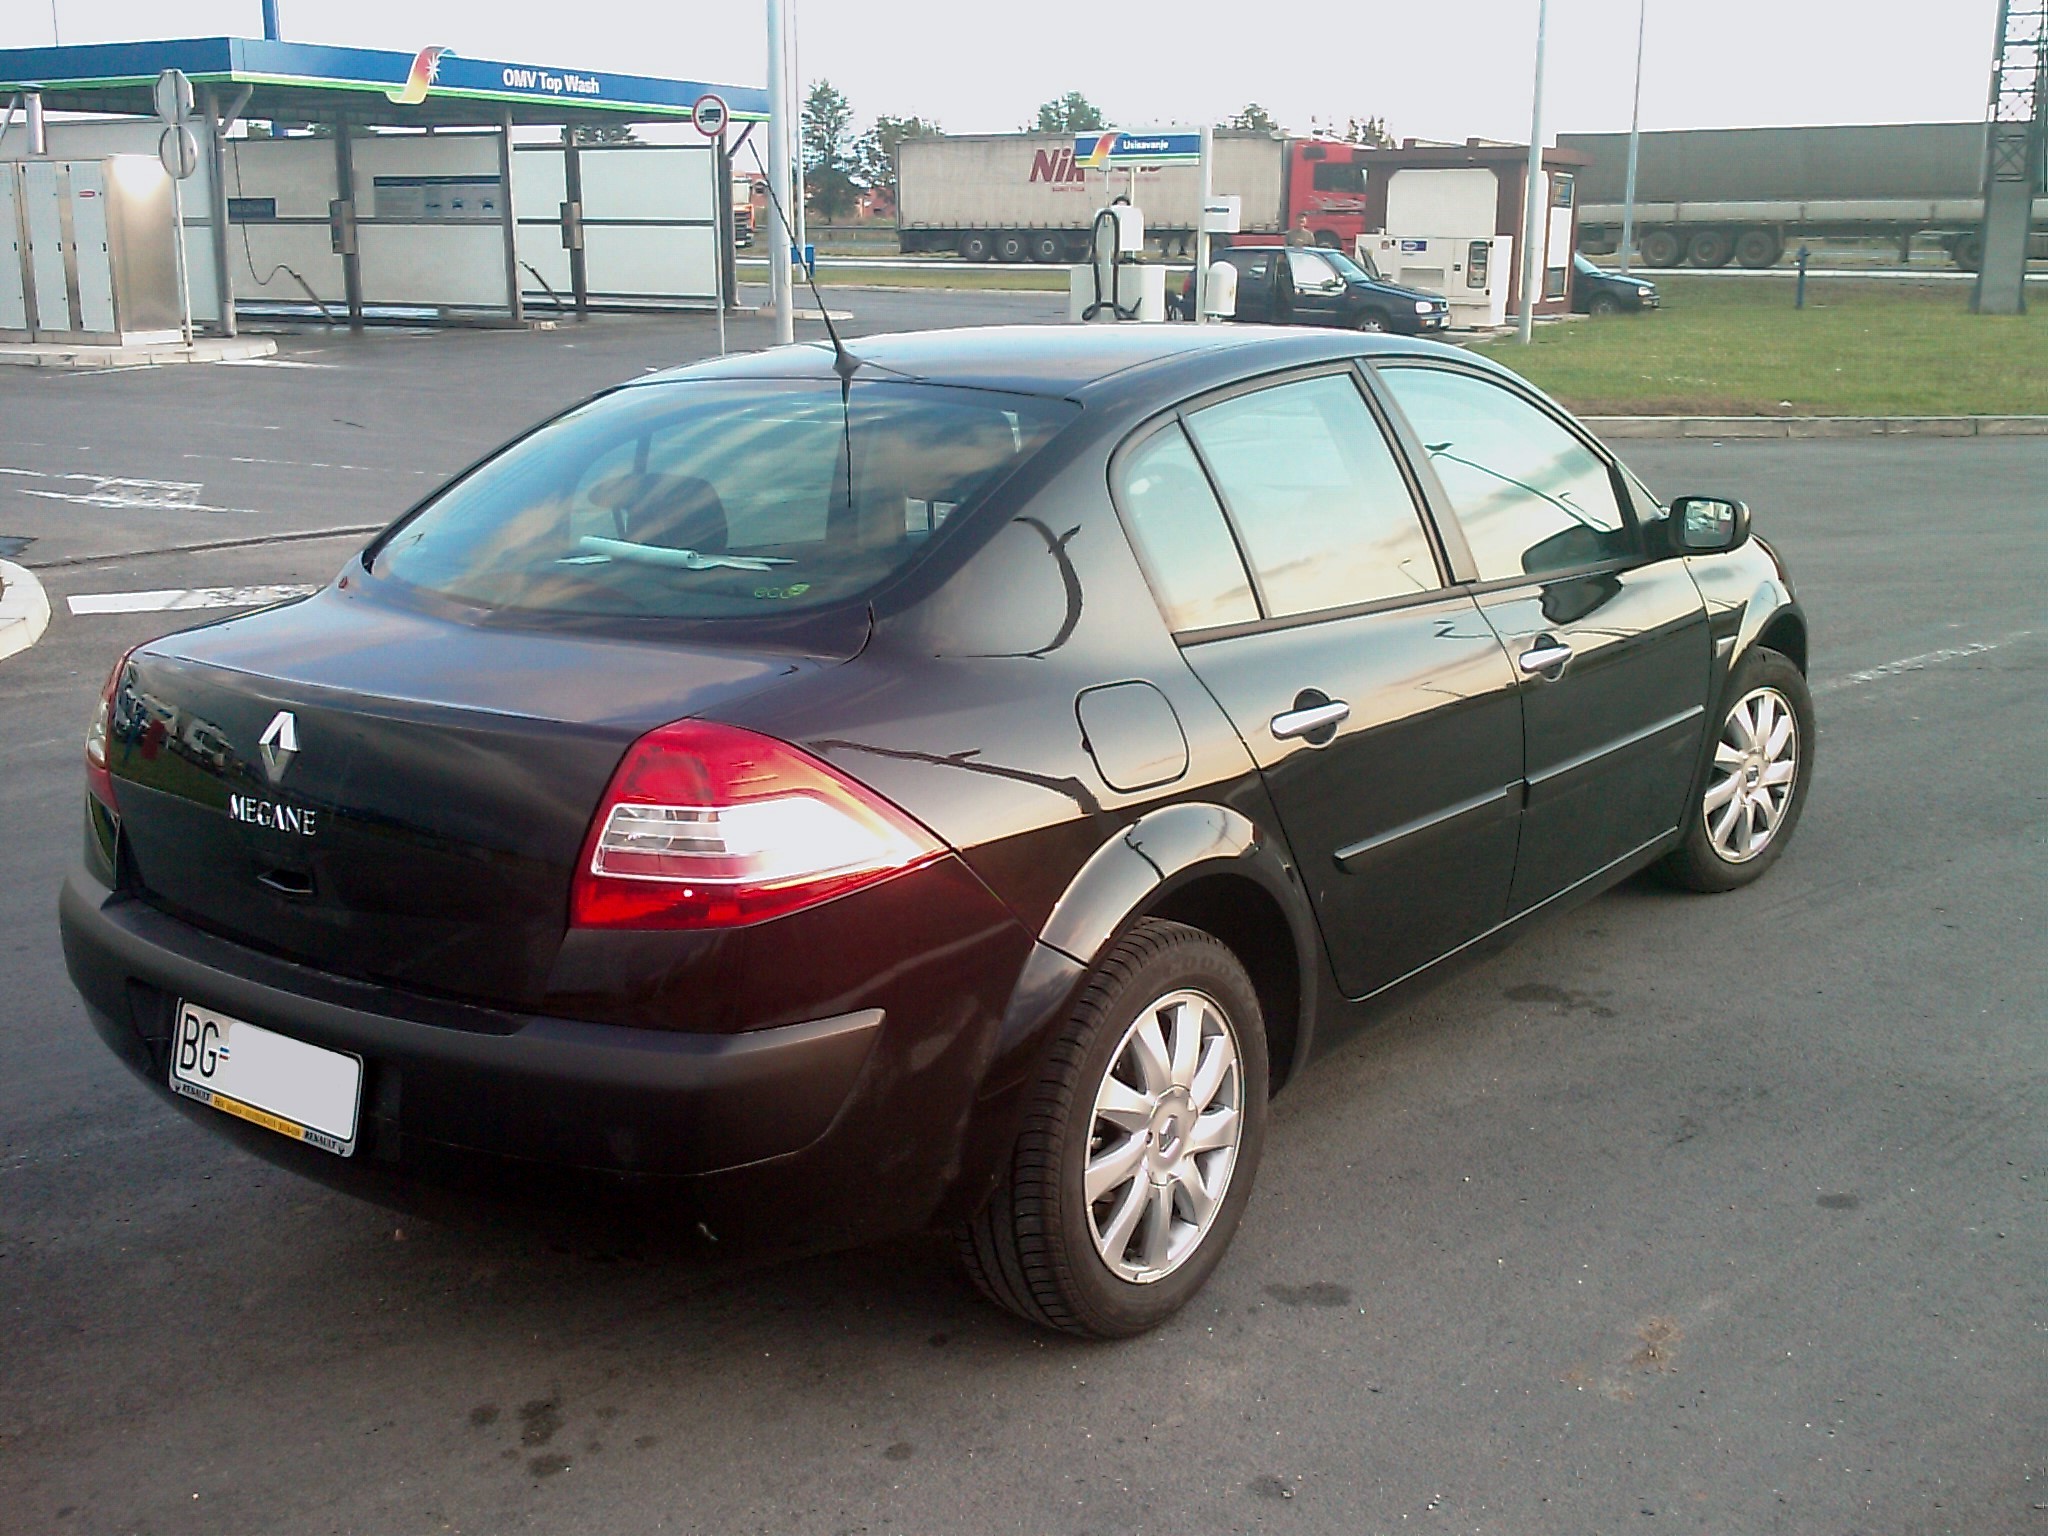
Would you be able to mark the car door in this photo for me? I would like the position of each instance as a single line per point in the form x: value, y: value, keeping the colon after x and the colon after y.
x: 1319, y: 289
x: 1255, y: 274
x: 1291, y: 557
x: 1610, y: 646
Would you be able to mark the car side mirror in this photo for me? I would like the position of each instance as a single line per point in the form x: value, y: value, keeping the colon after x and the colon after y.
x: 1707, y: 525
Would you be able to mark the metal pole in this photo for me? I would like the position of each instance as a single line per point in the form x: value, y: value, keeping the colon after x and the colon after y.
x: 1534, y: 203
x: 345, y: 186
x: 515, y: 297
x: 217, y: 210
x: 1635, y: 130
x: 798, y: 212
x: 1201, y: 316
x: 778, y: 174
x: 572, y: 191
x: 55, y: 36
x: 184, y: 275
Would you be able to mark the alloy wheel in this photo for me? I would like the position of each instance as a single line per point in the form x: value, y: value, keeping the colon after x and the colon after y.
x: 1755, y: 773
x: 1163, y: 1141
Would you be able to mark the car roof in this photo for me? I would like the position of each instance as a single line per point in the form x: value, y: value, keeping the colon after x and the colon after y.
x: 1066, y: 360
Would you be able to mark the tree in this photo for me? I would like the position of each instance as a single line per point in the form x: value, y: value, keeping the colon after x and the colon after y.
x: 1369, y: 131
x: 1071, y: 113
x: 874, y: 154
x: 828, y: 143
x: 1253, y: 119
x: 605, y: 133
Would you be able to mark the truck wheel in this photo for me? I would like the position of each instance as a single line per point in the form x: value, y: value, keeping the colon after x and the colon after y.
x: 1011, y: 246
x: 974, y: 246
x: 1759, y: 247
x: 1047, y: 247
x: 1710, y: 248
x: 1968, y: 252
x: 1660, y: 248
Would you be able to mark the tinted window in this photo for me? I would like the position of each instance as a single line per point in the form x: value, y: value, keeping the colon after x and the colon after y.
x: 1335, y: 176
x: 1530, y: 496
x: 1180, y: 533
x: 710, y: 499
x: 1316, y: 495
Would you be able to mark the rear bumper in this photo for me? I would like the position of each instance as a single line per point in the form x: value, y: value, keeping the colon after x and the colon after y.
x: 495, y: 1103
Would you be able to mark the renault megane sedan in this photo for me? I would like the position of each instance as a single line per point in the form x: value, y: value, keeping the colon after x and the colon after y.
x: 952, y: 782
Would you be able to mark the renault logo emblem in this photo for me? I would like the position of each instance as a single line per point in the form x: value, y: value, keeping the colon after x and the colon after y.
x: 280, y: 741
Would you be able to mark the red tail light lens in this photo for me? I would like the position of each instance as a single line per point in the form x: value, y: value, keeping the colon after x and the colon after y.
x: 710, y: 826
x: 99, y: 780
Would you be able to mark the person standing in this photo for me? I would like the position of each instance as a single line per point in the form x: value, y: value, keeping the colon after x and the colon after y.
x: 1300, y: 234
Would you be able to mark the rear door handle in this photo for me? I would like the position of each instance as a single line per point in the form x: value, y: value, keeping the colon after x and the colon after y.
x: 1546, y: 658
x: 1306, y: 722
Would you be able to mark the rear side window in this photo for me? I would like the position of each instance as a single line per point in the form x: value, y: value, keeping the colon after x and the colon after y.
x: 710, y: 499
x: 1531, y: 497
x: 1316, y: 496
x: 1181, y: 536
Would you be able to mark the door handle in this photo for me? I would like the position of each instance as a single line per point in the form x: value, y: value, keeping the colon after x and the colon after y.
x: 1546, y: 658
x: 1306, y: 722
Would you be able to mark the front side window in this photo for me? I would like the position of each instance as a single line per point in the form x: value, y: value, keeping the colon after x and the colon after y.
x: 1530, y: 496
x: 1312, y: 274
x: 1181, y: 535
x: 706, y: 499
x: 1316, y: 496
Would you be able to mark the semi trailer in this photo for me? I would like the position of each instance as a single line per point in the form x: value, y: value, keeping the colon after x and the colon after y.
x: 1022, y: 197
x: 1709, y: 196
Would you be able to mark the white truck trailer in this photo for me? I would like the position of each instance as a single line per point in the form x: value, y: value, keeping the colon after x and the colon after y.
x: 1021, y: 197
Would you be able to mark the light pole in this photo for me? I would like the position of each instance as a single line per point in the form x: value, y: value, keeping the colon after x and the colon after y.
x: 1635, y: 133
x: 778, y: 176
x: 1534, y: 203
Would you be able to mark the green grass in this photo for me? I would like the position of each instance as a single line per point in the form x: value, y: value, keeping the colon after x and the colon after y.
x: 1730, y: 347
x: 957, y: 275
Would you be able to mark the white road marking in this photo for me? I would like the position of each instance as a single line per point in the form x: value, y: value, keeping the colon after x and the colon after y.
x: 120, y: 492
x: 1918, y: 663
x: 178, y: 599
x: 368, y: 469
x: 24, y: 609
x: 270, y: 362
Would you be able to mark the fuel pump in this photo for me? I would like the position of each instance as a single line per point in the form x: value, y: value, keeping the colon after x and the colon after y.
x: 1113, y: 285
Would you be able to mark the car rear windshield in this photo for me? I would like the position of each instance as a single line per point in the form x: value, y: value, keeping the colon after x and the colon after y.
x: 712, y: 499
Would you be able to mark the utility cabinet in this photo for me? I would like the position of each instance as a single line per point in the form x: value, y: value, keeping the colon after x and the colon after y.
x: 86, y: 251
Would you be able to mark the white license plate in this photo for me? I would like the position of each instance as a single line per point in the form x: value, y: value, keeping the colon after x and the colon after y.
x: 298, y: 1090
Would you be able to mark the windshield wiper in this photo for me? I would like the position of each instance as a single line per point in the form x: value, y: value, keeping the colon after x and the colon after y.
x: 677, y: 559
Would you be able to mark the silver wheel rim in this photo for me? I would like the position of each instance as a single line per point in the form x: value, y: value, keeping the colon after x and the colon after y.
x: 1755, y: 773
x: 1163, y: 1139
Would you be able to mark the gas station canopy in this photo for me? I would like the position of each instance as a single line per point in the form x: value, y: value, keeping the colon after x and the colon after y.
x: 311, y: 82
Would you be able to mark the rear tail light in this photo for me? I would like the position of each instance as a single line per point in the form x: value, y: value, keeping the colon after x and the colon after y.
x: 99, y: 780
x: 710, y: 826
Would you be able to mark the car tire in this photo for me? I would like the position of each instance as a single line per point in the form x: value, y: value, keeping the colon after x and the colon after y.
x: 1709, y: 248
x: 1660, y: 248
x: 974, y: 246
x: 1721, y: 850
x: 1603, y: 304
x: 1011, y: 247
x: 1047, y: 248
x: 1372, y: 320
x: 1040, y: 1247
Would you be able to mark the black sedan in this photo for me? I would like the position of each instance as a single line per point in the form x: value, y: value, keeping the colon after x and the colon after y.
x: 1297, y: 285
x: 955, y: 784
x: 1596, y: 291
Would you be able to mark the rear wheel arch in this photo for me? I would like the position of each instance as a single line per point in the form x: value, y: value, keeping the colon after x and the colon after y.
x: 1208, y: 867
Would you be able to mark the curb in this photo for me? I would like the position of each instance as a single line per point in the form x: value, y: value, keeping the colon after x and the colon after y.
x: 1805, y: 427
x: 236, y: 349
x: 24, y: 609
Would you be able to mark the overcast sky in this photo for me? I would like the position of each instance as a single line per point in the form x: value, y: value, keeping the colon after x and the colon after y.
x: 1438, y: 70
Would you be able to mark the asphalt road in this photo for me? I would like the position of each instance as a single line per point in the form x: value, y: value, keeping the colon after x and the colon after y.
x: 1716, y: 1214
